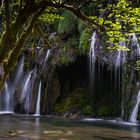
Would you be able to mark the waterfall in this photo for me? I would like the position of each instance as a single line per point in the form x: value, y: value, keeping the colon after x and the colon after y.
x: 47, y: 55
x: 37, y: 113
x: 7, y: 104
x: 133, y: 117
x: 135, y: 46
x: 135, y: 54
x: 117, y: 73
x: 92, y: 46
x: 25, y: 97
x: 7, y: 99
x: 123, y: 89
x: 118, y: 60
x: 45, y: 60
x: 117, y: 76
x: 18, y: 75
x: 92, y: 60
x: 19, y: 71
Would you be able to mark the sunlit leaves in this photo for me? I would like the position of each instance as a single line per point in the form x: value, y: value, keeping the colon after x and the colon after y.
x: 98, y: 20
x: 84, y: 39
x: 118, y: 48
x: 56, y: 1
x: 51, y: 15
x: 137, y: 65
x: 68, y: 25
x: 50, y: 18
x: 121, y: 21
x: 122, y: 4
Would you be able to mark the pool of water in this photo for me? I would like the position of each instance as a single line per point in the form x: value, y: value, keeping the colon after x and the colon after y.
x: 21, y: 127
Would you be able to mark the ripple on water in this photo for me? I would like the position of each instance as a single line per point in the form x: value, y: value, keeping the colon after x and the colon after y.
x: 16, y: 127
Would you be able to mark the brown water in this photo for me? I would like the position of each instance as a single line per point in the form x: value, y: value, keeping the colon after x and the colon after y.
x: 15, y: 127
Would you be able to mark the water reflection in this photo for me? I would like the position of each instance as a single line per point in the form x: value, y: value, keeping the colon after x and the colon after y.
x: 37, y: 122
x: 42, y: 128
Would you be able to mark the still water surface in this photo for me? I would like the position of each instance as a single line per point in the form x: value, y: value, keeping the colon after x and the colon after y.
x: 19, y: 127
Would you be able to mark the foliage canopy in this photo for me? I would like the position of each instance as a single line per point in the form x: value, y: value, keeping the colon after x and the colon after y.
x: 117, y: 19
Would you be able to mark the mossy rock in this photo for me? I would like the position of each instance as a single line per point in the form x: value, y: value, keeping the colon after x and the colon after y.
x: 104, y: 111
x: 78, y: 99
x: 138, y: 118
x: 68, y: 24
x: 88, y: 110
x: 81, y: 26
x: 84, y: 40
x: 64, y: 106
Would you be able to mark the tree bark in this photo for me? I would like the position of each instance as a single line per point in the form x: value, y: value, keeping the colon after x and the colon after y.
x: 9, y: 65
x: 11, y: 44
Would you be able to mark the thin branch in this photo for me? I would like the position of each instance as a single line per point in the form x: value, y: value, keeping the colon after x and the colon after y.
x: 9, y: 65
x: 77, y: 13
x: 29, y: 8
x: 108, y: 13
x: 7, y: 15
x: 31, y: 24
x: 43, y: 35
x: 84, y: 4
x: 65, y: 1
x: 20, y: 6
x: 0, y: 3
x: 8, y: 42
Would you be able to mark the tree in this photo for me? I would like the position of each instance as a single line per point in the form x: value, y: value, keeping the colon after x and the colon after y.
x: 121, y: 19
x: 20, y: 17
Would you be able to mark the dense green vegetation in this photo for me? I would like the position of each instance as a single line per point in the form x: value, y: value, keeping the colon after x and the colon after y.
x: 20, y: 20
x: 68, y: 24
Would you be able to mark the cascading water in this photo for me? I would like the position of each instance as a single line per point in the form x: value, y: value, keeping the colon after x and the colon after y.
x: 124, y: 55
x: 92, y: 60
x: 133, y: 117
x: 37, y: 113
x: 7, y: 105
x: 7, y: 99
x: 119, y: 71
x: 135, y: 54
x: 18, y: 75
x: 136, y: 51
x: 19, y: 71
x: 118, y: 60
x: 47, y: 55
x: 7, y: 102
x: 25, y: 97
x: 117, y: 74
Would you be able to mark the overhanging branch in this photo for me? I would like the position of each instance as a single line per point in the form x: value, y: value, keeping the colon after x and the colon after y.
x: 77, y: 13
x: 84, y: 4
x: 9, y: 65
x: 43, y: 35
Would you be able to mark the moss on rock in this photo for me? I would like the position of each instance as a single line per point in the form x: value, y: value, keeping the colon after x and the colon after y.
x: 77, y: 99
x: 105, y: 111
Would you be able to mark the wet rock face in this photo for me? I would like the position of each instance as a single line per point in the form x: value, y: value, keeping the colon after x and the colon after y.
x: 109, y: 89
x: 72, y: 76
x: 73, y: 113
x: 73, y: 83
x: 65, y: 71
